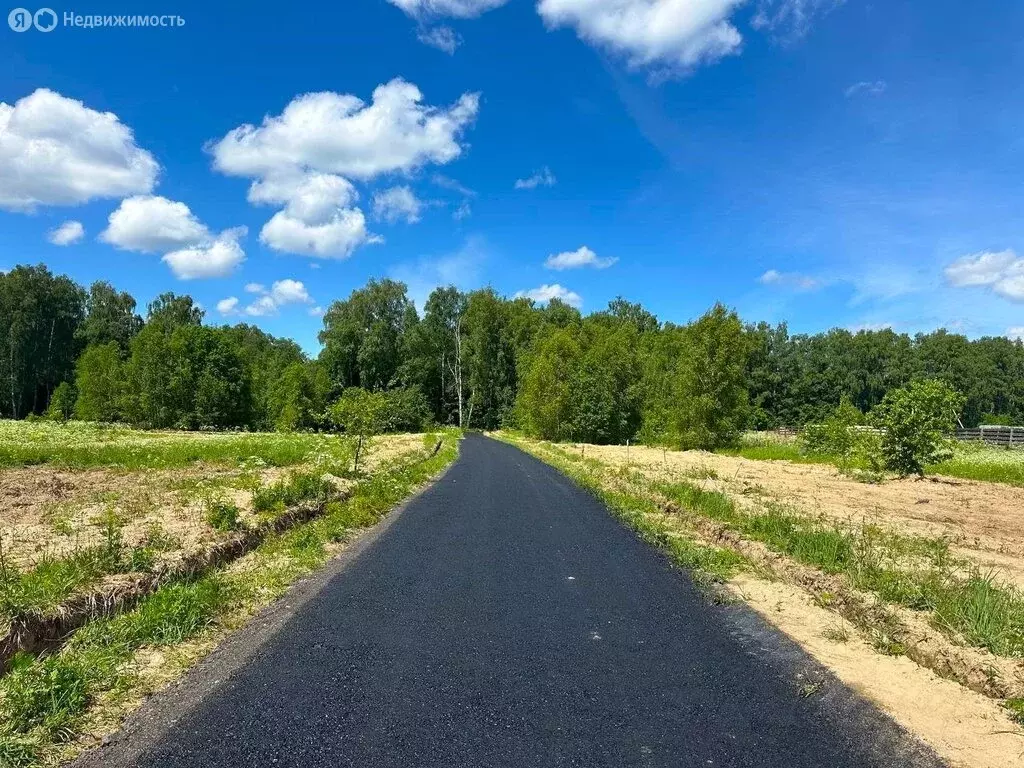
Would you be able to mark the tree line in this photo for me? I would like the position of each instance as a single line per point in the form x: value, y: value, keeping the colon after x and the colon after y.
x: 471, y: 358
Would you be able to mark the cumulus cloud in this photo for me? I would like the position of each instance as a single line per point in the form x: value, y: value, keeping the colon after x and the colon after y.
x: 546, y: 293
x: 869, y: 88
x: 304, y: 157
x: 460, y: 9
x: 1002, y: 272
x: 154, y: 224
x: 397, y: 204
x: 270, y: 300
x: 319, y: 217
x: 542, y: 178
x: 792, y: 280
x: 68, y: 233
x: 443, y: 38
x: 1016, y: 333
x: 57, y: 151
x: 669, y: 34
x: 228, y: 306
x: 581, y: 257
x: 340, y: 134
x: 214, y: 258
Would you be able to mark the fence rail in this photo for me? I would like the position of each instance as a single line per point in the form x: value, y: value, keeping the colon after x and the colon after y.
x: 994, y: 435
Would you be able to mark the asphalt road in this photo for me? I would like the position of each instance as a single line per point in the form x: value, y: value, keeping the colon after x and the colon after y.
x: 504, y: 618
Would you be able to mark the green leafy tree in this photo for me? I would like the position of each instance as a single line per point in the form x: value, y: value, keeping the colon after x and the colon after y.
x: 360, y: 414
x: 99, y: 379
x: 62, y: 403
x: 110, y: 316
x: 917, y: 421
x: 710, y: 387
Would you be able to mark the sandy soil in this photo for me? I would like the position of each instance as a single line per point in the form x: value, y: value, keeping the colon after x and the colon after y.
x: 983, y: 521
x: 45, y: 512
x: 964, y: 728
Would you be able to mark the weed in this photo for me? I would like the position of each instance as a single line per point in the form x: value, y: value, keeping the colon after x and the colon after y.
x: 837, y: 633
x: 221, y: 515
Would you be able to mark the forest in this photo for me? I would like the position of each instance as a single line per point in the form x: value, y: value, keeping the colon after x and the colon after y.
x: 474, y: 359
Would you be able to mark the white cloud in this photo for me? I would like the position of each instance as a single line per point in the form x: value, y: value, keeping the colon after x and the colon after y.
x: 337, y: 237
x: 1002, y: 272
x: 668, y: 34
x: 460, y: 9
x: 318, y: 218
x: 262, y: 307
x: 397, y: 204
x: 289, y: 291
x: 542, y: 178
x: 214, y: 258
x: 875, y: 88
x: 270, y: 301
x: 443, y: 38
x: 1016, y: 333
x: 154, y: 224
x: 790, y: 280
x: 68, y: 233
x: 581, y: 257
x: 228, y: 306
x: 453, y: 185
x: 315, y: 311
x: 791, y: 19
x: 340, y: 134
x: 57, y: 151
x: 304, y: 157
x: 546, y: 293
x: 463, y: 211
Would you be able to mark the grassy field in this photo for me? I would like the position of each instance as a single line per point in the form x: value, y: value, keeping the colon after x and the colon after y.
x: 152, y: 488
x: 970, y: 461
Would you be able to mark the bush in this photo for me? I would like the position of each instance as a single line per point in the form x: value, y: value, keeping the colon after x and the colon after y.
x: 835, y: 436
x: 405, y: 410
x: 916, y: 422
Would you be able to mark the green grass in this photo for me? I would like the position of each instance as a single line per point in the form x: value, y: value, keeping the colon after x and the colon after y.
x: 970, y: 461
x: 83, y: 445
x: 985, y: 463
x: 43, y: 701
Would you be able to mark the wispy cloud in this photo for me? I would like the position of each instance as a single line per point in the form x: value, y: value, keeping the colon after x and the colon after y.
x: 542, y: 178
x: 443, y: 38
x: 791, y: 280
x: 866, y: 87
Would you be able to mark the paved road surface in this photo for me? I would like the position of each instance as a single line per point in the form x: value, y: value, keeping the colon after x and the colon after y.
x: 504, y: 618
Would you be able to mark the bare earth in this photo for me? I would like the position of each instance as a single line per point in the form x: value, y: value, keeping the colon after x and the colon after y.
x: 47, y: 512
x: 983, y: 521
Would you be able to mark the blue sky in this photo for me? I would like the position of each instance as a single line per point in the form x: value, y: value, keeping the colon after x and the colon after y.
x: 825, y: 163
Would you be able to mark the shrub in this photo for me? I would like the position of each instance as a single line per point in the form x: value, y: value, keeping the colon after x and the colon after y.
x: 917, y: 421
x: 221, y: 515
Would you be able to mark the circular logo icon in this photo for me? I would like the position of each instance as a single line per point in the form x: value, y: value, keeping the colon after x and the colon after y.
x: 20, y: 20
x: 45, y: 20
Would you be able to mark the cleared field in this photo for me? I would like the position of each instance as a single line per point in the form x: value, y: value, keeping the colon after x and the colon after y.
x: 983, y: 521
x: 82, y: 505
